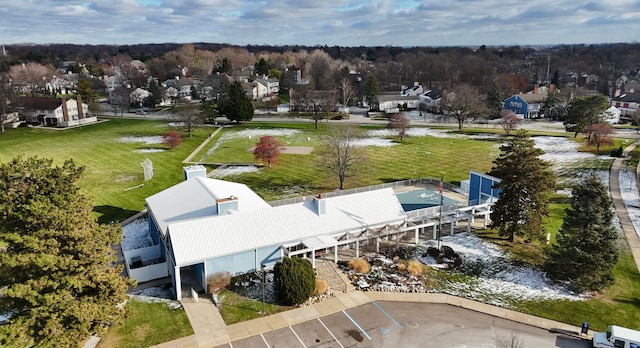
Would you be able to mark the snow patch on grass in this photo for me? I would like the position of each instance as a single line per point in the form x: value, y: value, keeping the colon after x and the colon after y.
x: 233, y: 170
x: 155, y: 139
x: 149, y: 150
x: 381, y: 142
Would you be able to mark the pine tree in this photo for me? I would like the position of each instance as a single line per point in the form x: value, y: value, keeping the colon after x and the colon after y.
x: 371, y: 90
x: 237, y: 106
x: 526, y: 182
x: 587, y: 243
x: 56, y: 275
x: 494, y: 100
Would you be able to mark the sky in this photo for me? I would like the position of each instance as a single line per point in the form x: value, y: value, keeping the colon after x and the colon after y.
x: 321, y: 22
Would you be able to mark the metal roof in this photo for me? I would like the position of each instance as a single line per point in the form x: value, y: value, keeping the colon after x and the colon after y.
x: 196, y: 240
x: 196, y: 198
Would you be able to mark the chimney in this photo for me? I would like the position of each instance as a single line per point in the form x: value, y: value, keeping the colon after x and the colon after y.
x: 535, y: 89
x: 80, y: 111
x: 226, y: 205
x: 65, y: 112
x: 320, y: 204
x: 552, y: 88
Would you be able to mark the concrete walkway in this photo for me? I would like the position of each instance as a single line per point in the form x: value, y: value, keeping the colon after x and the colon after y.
x: 614, y: 187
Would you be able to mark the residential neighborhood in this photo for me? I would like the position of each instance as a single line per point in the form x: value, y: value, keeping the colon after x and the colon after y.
x: 395, y: 175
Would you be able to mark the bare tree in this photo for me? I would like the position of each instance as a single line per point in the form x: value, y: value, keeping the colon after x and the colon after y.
x: 462, y: 103
x: 600, y: 134
x: 399, y: 122
x: 340, y: 154
x: 320, y: 69
x: 188, y: 118
x: 5, y: 95
x: 318, y: 102
x: 509, y: 121
x: 30, y: 76
x: 346, y: 91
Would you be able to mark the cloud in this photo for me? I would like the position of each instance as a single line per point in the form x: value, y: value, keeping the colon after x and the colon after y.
x: 330, y: 22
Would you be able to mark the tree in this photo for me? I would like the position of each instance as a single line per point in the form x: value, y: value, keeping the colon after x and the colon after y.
x: 554, y: 107
x: 509, y: 121
x: 583, y: 112
x: 57, y: 275
x: 188, y: 118
x: 294, y: 280
x: 29, y: 77
x: 399, y: 122
x: 462, y: 104
x: 6, y: 93
x: 494, y: 99
x: 84, y: 88
x: 346, y: 91
x: 172, y: 139
x: 268, y: 150
x: 261, y: 67
x: 320, y: 70
x: 526, y: 183
x: 586, y: 249
x: 600, y: 134
x: 371, y: 90
x: 237, y: 106
x: 340, y: 155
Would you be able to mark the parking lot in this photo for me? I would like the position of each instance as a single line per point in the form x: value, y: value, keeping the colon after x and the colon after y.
x: 408, y: 324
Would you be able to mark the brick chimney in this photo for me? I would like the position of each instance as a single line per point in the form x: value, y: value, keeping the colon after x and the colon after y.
x: 535, y: 89
x: 65, y: 112
x: 552, y: 88
x: 80, y: 111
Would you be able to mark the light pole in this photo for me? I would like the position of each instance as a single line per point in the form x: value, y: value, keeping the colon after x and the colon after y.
x: 263, y: 280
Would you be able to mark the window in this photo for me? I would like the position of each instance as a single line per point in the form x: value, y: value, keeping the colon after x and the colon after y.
x: 619, y: 343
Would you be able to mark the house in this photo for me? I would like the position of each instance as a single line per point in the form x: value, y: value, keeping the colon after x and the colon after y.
x: 56, y: 112
x: 611, y: 115
x: 182, y: 86
x: 627, y: 103
x: 202, y: 226
x: 414, y: 90
x: 310, y: 100
x: 11, y: 119
x: 394, y: 102
x: 265, y: 86
x: 525, y: 105
x: 431, y: 99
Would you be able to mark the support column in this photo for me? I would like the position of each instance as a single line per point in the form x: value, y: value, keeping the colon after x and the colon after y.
x: 417, y: 235
x: 357, y: 248
x: 473, y: 215
x: 313, y: 258
x: 435, y: 232
x: 451, y: 230
x: 486, y: 217
x: 335, y: 254
x: 176, y: 276
x: 377, y: 244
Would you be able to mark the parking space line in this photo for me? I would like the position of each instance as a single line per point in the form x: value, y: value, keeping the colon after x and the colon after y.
x: 265, y: 340
x: 298, y: 337
x: 387, y: 314
x: 356, y: 324
x: 331, y: 333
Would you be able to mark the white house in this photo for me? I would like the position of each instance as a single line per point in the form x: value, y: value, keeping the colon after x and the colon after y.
x: 265, y: 86
x: 394, y: 102
x: 138, y: 95
x: 202, y: 226
x: 612, y: 115
x: 431, y: 99
x: 57, y: 112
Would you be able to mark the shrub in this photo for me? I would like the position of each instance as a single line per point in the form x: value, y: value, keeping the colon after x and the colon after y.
x: 402, y: 266
x: 360, y: 265
x: 294, y: 280
x: 433, y: 252
x: 321, y: 286
x: 415, y: 267
x: 448, y: 252
x: 218, y: 281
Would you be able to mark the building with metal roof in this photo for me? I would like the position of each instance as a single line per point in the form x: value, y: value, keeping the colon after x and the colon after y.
x: 204, y: 226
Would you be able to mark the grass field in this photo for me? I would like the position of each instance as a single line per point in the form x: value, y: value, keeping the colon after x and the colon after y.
x: 147, y: 324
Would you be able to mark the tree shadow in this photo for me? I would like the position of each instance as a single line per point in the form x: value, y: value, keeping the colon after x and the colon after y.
x: 109, y: 213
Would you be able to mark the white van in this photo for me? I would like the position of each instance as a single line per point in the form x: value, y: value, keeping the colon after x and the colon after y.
x: 617, y: 337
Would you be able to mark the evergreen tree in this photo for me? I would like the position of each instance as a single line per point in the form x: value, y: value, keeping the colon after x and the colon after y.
x: 553, y: 107
x: 294, y: 280
x: 585, y: 111
x: 526, y: 182
x: 555, y: 80
x: 587, y: 243
x: 494, y: 100
x: 237, y: 106
x: 57, y: 279
x: 261, y: 67
x: 371, y: 90
x: 85, y: 90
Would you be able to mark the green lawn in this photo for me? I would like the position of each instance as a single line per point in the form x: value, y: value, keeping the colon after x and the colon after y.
x: 236, y: 308
x: 112, y: 166
x: 147, y: 324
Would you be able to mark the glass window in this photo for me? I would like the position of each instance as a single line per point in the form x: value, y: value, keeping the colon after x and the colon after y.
x: 619, y: 343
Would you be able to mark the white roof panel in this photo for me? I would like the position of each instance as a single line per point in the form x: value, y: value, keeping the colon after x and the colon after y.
x: 200, y: 239
x: 196, y: 198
